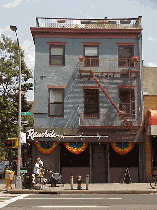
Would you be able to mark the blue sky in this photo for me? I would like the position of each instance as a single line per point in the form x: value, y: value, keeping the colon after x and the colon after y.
x: 23, y: 13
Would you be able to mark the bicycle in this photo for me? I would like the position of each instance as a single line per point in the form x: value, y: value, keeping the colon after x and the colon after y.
x: 153, y: 180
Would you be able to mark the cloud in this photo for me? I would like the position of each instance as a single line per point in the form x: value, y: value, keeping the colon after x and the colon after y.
x: 150, y: 38
x: 13, y: 4
x: 150, y: 64
x: 2, y: 30
x: 29, y: 49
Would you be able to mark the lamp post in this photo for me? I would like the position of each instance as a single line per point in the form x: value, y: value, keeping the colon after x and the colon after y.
x: 18, y: 177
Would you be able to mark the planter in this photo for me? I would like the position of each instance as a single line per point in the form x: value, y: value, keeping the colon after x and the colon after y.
x: 125, y: 21
x: 100, y: 22
x: 81, y: 58
x: 135, y: 59
x: 61, y: 20
x: 85, y: 22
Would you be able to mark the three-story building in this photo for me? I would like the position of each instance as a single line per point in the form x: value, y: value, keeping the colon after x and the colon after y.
x: 88, y: 108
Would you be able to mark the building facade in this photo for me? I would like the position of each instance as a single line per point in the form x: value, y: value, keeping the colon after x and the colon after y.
x: 88, y: 104
x: 149, y: 75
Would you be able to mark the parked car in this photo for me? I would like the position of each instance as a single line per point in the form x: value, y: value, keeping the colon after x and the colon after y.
x: 3, y: 167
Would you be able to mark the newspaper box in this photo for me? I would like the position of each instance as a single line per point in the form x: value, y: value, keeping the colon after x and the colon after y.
x: 9, y: 176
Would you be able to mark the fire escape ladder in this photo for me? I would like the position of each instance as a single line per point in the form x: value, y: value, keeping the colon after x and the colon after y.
x: 115, y: 95
x: 109, y: 98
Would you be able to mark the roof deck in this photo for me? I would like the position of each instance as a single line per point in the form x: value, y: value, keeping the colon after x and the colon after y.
x: 120, y: 23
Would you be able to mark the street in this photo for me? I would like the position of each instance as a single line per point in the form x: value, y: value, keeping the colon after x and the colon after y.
x: 78, y: 201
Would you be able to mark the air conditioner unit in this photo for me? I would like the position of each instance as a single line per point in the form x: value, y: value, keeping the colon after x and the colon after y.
x: 152, y: 130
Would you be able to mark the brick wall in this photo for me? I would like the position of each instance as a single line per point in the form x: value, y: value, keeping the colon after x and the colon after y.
x: 150, y: 102
x: 148, y: 157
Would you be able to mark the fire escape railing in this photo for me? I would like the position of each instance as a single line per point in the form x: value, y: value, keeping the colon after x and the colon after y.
x: 105, y: 120
x: 92, y: 66
x: 103, y: 65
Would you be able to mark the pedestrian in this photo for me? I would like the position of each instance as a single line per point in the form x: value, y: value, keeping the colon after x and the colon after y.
x: 41, y: 164
x: 37, y: 170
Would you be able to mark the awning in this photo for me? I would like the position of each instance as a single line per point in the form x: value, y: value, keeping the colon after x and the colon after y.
x: 151, y: 122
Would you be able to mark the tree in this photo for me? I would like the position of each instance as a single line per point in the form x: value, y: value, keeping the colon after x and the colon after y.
x: 9, y: 80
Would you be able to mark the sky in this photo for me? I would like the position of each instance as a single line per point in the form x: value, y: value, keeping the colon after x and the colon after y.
x: 23, y: 13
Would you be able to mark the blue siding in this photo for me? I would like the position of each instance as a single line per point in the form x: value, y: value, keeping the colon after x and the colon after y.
x: 69, y: 76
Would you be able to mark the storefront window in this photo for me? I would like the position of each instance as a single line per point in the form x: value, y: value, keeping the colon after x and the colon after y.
x: 154, y: 153
x: 69, y: 159
x: 130, y: 159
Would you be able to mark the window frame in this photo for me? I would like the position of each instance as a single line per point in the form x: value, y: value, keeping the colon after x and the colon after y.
x: 56, y: 89
x: 94, y: 59
x: 57, y: 45
x: 91, y: 44
x: 127, y: 88
x: 97, y: 115
x: 125, y: 45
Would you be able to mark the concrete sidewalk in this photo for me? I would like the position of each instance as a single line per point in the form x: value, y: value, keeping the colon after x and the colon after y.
x: 94, y: 188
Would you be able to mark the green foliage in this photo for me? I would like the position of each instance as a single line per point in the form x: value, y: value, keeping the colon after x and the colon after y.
x: 9, y: 94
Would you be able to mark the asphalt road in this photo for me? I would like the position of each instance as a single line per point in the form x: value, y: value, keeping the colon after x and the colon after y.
x: 79, y: 201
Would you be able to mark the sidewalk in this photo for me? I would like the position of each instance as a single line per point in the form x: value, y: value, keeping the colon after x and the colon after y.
x: 94, y: 188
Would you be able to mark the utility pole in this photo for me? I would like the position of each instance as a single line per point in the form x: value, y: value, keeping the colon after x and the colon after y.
x: 18, y: 177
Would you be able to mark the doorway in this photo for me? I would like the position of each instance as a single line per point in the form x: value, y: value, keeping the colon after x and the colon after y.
x: 99, y: 169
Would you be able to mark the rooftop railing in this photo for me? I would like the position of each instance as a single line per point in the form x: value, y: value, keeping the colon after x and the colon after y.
x: 120, y: 23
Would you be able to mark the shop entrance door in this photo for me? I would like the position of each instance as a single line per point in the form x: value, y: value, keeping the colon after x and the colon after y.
x: 99, y: 169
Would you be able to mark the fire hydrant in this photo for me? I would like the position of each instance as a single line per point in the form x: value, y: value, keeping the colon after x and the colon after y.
x: 79, y: 182
x: 9, y: 176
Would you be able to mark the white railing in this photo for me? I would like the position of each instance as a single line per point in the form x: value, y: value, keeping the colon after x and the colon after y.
x: 120, y: 23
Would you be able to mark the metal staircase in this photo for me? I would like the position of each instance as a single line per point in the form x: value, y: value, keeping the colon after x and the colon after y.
x: 109, y: 98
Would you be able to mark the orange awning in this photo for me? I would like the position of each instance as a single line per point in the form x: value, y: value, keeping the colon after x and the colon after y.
x: 152, y: 117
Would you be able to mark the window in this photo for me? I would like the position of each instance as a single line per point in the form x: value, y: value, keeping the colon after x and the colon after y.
x: 91, y: 54
x: 56, y: 102
x: 124, y: 55
x: 57, y: 55
x: 117, y: 160
x: 91, y: 103
x: 68, y: 159
x: 124, y: 96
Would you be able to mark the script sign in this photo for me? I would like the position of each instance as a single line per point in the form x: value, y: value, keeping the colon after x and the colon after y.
x: 32, y: 134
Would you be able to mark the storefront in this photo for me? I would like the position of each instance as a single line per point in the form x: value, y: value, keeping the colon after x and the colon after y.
x: 151, y: 127
x: 103, y: 156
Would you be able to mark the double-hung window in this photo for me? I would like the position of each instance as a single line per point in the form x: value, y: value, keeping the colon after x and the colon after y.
x: 56, y: 102
x: 56, y: 53
x: 125, y: 52
x: 91, y: 54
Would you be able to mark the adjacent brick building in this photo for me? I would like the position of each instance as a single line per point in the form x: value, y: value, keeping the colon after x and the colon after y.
x: 88, y: 104
x: 149, y: 77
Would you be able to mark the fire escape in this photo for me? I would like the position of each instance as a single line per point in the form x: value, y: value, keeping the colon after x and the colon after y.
x: 110, y: 68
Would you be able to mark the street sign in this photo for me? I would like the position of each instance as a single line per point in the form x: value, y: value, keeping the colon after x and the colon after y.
x: 26, y: 113
x: 23, y: 137
x: 24, y: 122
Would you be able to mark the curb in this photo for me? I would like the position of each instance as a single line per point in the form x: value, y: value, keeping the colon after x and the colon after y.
x: 80, y: 192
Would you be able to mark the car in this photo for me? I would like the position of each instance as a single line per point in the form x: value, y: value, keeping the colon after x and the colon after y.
x: 3, y: 166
